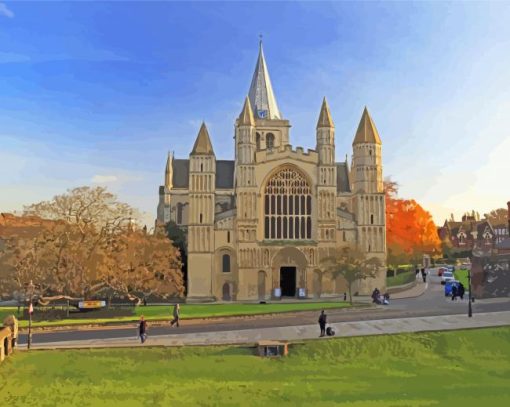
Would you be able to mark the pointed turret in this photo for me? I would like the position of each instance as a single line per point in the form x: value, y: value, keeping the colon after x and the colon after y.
x: 169, y: 171
x: 261, y: 93
x: 325, y: 119
x: 246, y: 116
x: 367, y: 132
x: 203, y: 142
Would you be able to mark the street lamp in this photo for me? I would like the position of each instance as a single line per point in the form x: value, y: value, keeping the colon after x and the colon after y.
x: 470, y: 310
x: 30, y: 312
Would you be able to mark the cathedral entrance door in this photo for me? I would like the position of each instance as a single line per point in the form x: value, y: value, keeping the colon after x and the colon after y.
x: 288, y: 281
x: 226, y: 292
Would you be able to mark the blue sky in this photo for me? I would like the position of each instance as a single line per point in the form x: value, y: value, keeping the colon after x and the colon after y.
x: 96, y: 93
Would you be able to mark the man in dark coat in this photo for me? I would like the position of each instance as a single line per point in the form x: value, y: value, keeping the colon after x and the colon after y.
x: 424, y: 275
x: 142, y: 329
x: 454, y: 292
x: 322, y: 323
x: 461, y: 291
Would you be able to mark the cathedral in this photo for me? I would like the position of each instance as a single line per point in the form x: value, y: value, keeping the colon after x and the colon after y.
x: 259, y: 226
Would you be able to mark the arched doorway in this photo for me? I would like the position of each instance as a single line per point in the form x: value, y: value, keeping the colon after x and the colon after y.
x: 227, y: 296
x: 262, y: 285
x: 317, y: 284
x: 289, y: 271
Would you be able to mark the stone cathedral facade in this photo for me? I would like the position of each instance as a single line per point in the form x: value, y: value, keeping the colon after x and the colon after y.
x: 259, y: 226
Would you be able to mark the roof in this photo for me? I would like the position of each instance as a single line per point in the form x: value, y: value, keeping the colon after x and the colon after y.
x: 224, y: 174
x: 261, y: 93
x: 325, y: 119
x: 367, y: 132
x: 203, y: 142
x: 469, y: 226
x: 246, y: 116
x: 342, y: 178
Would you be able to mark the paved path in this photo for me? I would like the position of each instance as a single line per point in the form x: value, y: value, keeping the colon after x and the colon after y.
x: 431, y: 303
x: 297, y: 333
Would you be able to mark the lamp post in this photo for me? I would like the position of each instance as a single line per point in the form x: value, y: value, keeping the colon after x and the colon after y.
x: 470, y: 310
x: 30, y: 312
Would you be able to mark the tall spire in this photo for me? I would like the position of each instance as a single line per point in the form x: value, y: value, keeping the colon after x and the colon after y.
x: 246, y: 116
x: 367, y: 132
x: 325, y: 119
x: 203, y: 142
x: 169, y: 171
x: 261, y: 93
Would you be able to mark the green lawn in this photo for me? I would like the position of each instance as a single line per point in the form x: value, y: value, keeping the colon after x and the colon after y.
x: 400, y: 279
x: 456, y: 368
x: 156, y: 312
x: 462, y: 276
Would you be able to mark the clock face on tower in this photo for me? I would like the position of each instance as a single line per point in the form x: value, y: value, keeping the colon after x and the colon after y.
x: 262, y: 114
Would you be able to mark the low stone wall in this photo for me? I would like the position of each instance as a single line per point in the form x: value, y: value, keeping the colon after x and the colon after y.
x: 5, y: 342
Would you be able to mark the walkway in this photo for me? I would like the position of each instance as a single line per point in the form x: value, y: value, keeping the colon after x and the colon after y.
x: 296, y: 333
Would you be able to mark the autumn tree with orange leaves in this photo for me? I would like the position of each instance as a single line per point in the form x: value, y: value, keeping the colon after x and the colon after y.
x: 410, y: 230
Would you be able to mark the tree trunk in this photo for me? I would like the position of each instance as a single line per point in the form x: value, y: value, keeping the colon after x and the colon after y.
x: 350, y: 293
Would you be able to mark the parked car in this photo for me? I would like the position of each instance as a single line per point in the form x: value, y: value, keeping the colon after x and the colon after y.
x: 451, y: 268
x: 441, y: 270
x: 446, y: 277
x: 448, y: 287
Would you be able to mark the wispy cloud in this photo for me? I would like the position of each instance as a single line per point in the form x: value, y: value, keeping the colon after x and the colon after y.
x: 5, y: 11
x: 104, y: 179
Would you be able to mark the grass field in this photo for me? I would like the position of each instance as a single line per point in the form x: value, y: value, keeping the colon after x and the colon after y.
x: 400, y: 279
x: 456, y: 368
x: 462, y: 276
x: 157, y: 312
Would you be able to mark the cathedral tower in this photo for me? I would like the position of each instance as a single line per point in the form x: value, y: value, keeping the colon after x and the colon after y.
x: 367, y: 187
x: 163, y: 211
x: 326, y: 176
x: 202, y: 181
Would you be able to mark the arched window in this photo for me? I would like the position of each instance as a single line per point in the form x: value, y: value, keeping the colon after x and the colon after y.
x: 270, y: 141
x: 200, y: 218
x: 226, y: 263
x: 201, y: 167
x: 257, y: 138
x: 288, y: 206
x: 228, y: 237
x: 371, y: 219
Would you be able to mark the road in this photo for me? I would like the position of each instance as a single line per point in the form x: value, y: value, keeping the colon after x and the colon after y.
x: 431, y: 303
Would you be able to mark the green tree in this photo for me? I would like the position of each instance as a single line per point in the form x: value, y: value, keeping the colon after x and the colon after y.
x: 352, y: 264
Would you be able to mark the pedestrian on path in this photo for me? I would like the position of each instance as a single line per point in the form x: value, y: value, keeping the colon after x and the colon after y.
x: 424, y: 275
x: 454, y: 292
x: 177, y: 311
x: 461, y: 291
x: 322, y: 323
x: 142, y: 329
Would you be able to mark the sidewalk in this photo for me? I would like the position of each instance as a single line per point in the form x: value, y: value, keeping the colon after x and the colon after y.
x: 297, y: 333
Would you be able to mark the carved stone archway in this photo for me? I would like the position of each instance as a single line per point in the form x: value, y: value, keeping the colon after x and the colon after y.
x: 289, y: 257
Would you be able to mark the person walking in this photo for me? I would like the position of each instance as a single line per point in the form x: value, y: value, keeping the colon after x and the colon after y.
x: 424, y: 275
x: 454, y: 292
x: 461, y: 291
x: 142, y: 329
x: 177, y: 310
x: 322, y: 323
